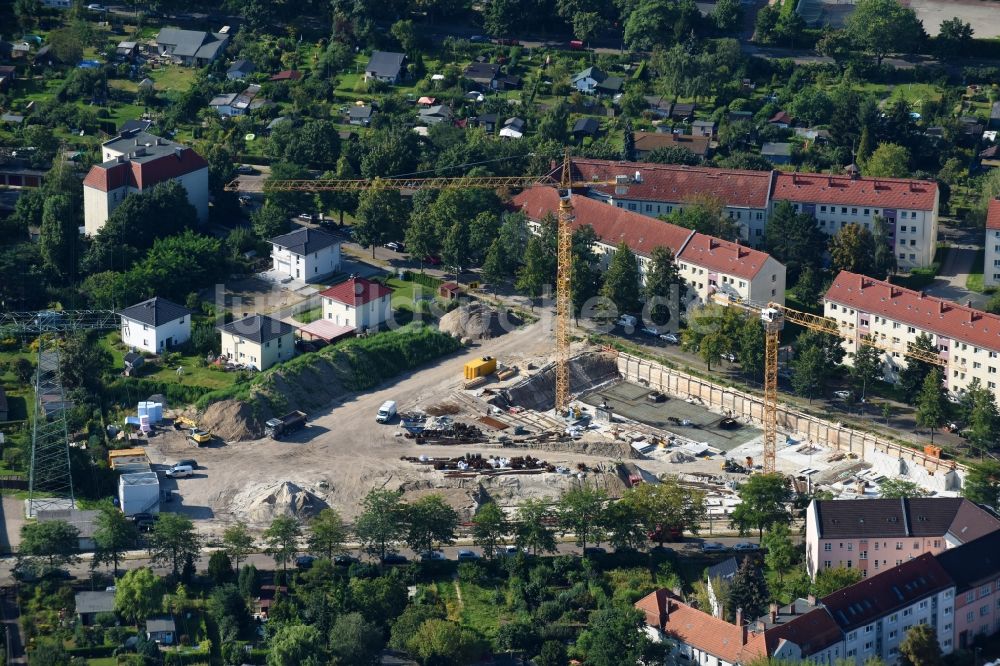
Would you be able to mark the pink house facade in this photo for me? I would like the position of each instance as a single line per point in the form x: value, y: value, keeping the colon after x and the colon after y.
x: 878, y: 534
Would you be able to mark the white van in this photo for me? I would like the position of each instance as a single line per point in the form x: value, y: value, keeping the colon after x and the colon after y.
x: 180, y: 471
x: 386, y: 412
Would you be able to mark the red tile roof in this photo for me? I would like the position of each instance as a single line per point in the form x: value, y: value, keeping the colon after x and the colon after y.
x: 676, y: 183
x: 781, y: 117
x: 648, y: 141
x: 700, y: 630
x: 993, y: 214
x: 842, y: 190
x: 925, y: 313
x: 356, y: 291
x: 287, y: 75
x: 142, y: 175
x: 612, y: 224
x: 724, y: 256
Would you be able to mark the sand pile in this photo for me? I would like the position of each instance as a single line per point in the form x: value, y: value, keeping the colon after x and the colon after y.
x: 477, y: 321
x: 231, y: 420
x: 262, y: 503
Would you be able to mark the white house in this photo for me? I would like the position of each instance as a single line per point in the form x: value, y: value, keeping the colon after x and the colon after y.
x: 991, y: 263
x: 357, y: 302
x: 134, y: 162
x: 155, y: 325
x: 305, y: 254
x: 258, y: 341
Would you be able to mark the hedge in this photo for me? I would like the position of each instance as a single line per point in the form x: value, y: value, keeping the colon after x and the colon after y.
x: 93, y: 652
x: 425, y: 280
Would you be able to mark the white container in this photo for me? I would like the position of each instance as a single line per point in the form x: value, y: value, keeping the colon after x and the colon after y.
x: 139, y: 493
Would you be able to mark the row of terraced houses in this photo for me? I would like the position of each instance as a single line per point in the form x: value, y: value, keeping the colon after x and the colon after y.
x: 954, y: 587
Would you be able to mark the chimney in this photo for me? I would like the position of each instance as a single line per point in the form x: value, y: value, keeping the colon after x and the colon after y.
x: 811, y: 599
x: 358, y: 288
x: 739, y: 617
x: 774, y: 613
x: 135, y: 142
x: 791, y: 608
x: 968, y: 304
x: 177, y: 152
x: 743, y: 635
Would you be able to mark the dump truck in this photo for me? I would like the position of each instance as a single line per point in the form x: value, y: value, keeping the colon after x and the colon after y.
x: 200, y: 437
x: 275, y: 428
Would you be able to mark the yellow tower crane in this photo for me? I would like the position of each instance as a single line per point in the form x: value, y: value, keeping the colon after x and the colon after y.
x: 773, y: 317
x: 564, y: 254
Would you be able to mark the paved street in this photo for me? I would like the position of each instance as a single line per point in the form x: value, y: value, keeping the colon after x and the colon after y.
x: 958, y: 263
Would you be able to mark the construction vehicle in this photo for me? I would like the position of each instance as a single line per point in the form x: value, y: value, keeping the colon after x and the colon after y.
x: 482, y: 367
x: 290, y: 422
x: 184, y: 423
x: 773, y: 317
x: 200, y: 437
x: 564, y: 241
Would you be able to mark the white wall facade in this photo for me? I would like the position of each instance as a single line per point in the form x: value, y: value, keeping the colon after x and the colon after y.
x: 260, y: 356
x: 98, y: 205
x: 156, y: 339
x: 308, y: 268
x: 369, y: 315
x: 991, y: 261
x: 768, y: 285
x: 751, y: 221
x: 881, y: 638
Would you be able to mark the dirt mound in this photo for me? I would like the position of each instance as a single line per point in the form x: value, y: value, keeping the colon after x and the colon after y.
x: 262, y: 504
x: 231, y: 420
x: 585, y: 371
x: 477, y: 321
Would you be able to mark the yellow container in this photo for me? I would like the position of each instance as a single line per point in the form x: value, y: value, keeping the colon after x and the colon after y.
x: 480, y: 367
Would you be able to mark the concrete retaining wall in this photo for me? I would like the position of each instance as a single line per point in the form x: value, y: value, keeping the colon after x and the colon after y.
x: 886, y: 456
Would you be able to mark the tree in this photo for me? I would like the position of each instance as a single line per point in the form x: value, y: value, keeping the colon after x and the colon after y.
x: 380, y: 525
x: 614, y: 636
x: 501, y: 16
x: 220, y: 567
x: 173, y: 540
x: 852, y: 249
x: 793, y: 239
x: 455, y: 248
x: 553, y: 125
x: 489, y: 528
x: 430, y: 522
x: 282, y: 540
x: 900, y: 488
x: 315, y: 142
x: 810, y: 372
x: 27, y: 12
x: 406, y: 34
x: 828, y: 581
x: 666, y: 507
x: 327, y: 534
x: 586, y: 25
x: 672, y: 155
x: 248, y: 581
x: 984, y: 420
x: 748, y: 591
x: 665, y: 288
x: 296, y: 645
x: 954, y: 38
x: 880, y: 27
x: 269, y: 220
x: 446, y: 643
x: 66, y: 45
x: 920, y: 647
x: 706, y: 215
x: 728, y: 15
x: 553, y: 654
x: 649, y: 24
x: 354, y: 640
x: 82, y: 362
x: 405, y: 626
x: 138, y: 594
x: 379, y: 217
x: 889, y: 160
x: 930, y: 403
x: 867, y: 366
x: 531, y: 529
x: 494, y: 269
x: 531, y: 278
x: 580, y: 512
x: 751, y: 347
x: 621, y: 280
x: 114, y: 534
x: 55, y: 541
x: 883, y: 255
x: 911, y: 378
x: 59, y: 236
x: 982, y: 483
x: 780, y: 552
x: 238, y: 543
x: 764, y: 502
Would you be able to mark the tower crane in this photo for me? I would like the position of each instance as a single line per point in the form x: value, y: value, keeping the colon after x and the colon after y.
x: 773, y: 317
x: 564, y: 254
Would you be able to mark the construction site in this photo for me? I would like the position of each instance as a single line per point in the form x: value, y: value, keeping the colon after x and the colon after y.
x: 481, y: 425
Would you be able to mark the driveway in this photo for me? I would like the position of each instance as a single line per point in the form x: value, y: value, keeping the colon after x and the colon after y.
x: 958, y: 264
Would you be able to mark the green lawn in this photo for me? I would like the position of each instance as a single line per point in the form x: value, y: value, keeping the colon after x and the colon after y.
x: 311, y: 315
x: 975, y: 280
x: 193, y: 374
x: 915, y: 93
x: 173, y: 78
x: 404, y: 292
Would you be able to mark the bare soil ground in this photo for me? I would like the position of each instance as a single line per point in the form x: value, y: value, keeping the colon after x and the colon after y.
x: 983, y: 15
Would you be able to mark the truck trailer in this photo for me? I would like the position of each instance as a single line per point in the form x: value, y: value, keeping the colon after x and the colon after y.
x: 290, y: 422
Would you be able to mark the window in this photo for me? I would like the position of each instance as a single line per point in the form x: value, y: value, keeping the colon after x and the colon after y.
x: 850, y: 547
x: 854, y: 211
x: 970, y: 596
x: 866, y: 211
x: 895, y: 616
x: 863, y: 555
x: 843, y: 210
x: 970, y: 616
x: 828, y: 547
x: 923, y: 604
x: 899, y: 545
x: 984, y: 610
x: 853, y: 636
x: 869, y: 645
x: 907, y: 612
x: 984, y: 590
x: 826, y: 564
x: 870, y: 628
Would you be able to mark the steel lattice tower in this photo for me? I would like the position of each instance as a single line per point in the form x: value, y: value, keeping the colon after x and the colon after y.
x: 50, y: 481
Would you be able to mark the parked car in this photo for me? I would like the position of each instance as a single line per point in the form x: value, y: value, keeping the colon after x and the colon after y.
x: 180, y: 471
x: 650, y: 330
x: 97, y: 8
x: 345, y: 560
x: 627, y: 321
x: 507, y: 551
x: 843, y: 395
x: 467, y: 556
x: 395, y: 246
x: 432, y: 556
x: 713, y: 547
x: 744, y: 546
x: 245, y: 170
x: 670, y: 338
x: 245, y: 200
x: 729, y: 356
x: 307, y: 217
x: 507, y: 41
x: 394, y: 558
x: 304, y: 561
x: 190, y: 462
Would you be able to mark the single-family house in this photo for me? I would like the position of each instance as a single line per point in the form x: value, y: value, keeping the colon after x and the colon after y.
x: 155, y: 325
x: 513, y: 128
x: 258, y: 341
x: 781, y: 119
x: 682, y: 111
x: 658, y: 106
x: 357, y: 302
x: 594, y: 80
x: 778, y: 152
x: 426, y: 102
x: 488, y: 121
x: 240, y: 70
x: 360, y: 115
x: 191, y: 47
x: 647, y: 142
x: 127, y: 49
x: 161, y: 629
x: 385, y: 66
x: 703, y: 128
x: 223, y: 104
x: 585, y: 127
x: 433, y: 115
x: 483, y: 74
x: 305, y: 254
x: 90, y: 603
x: 717, y: 578
x: 286, y: 75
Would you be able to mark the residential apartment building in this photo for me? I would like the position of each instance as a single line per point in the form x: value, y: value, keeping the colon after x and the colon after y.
x: 875, y: 614
x: 874, y: 535
x: 134, y: 162
x: 991, y: 260
x: 968, y: 340
x: 975, y: 570
x: 707, y: 264
x: 909, y: 206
